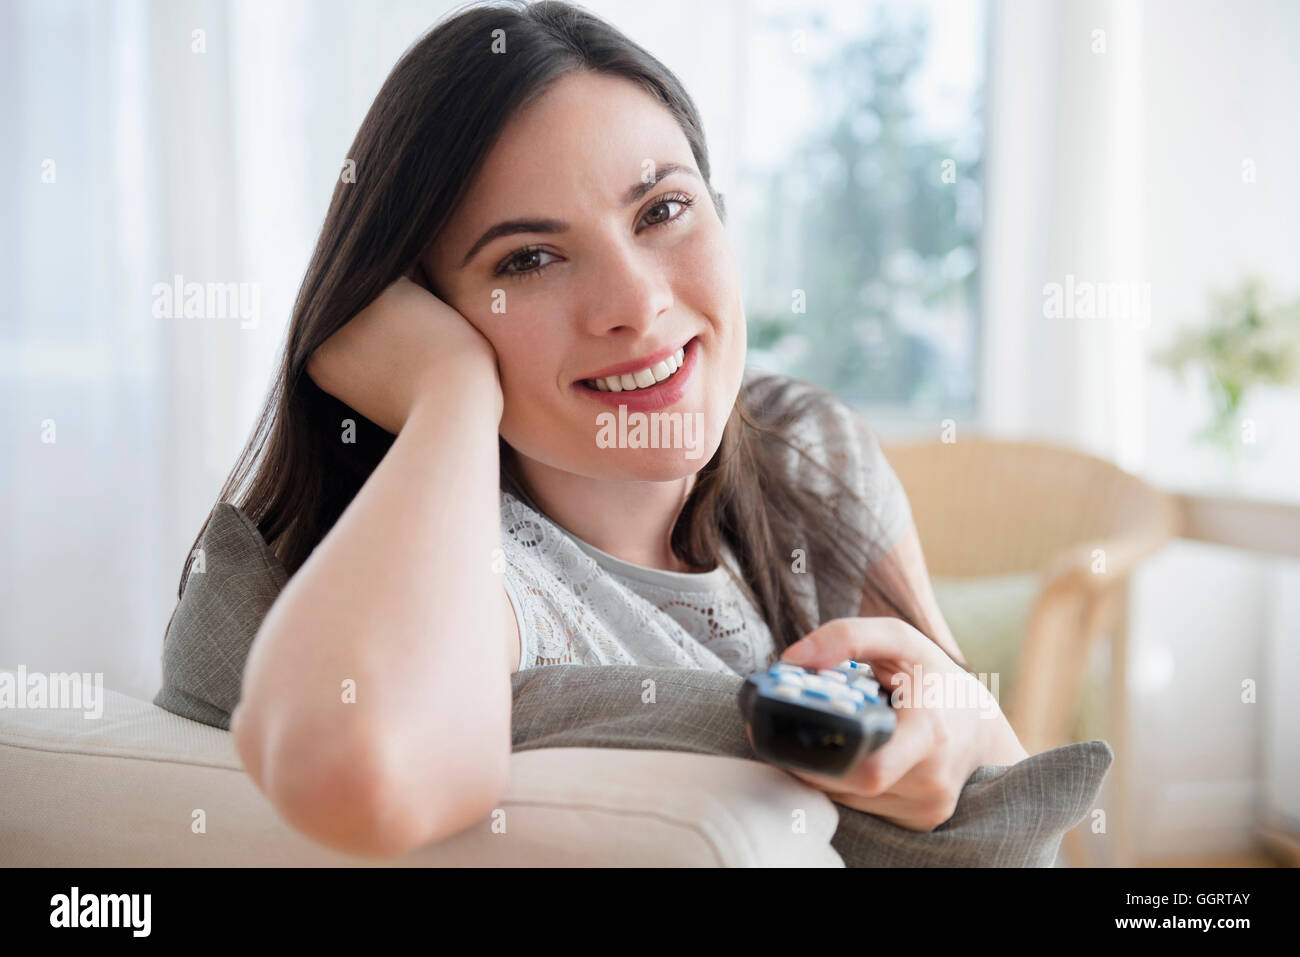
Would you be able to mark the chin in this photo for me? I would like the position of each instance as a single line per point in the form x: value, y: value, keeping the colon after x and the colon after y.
x: 655, y: 465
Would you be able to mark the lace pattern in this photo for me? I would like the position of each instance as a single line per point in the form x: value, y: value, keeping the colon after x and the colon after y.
x: 573, y: 611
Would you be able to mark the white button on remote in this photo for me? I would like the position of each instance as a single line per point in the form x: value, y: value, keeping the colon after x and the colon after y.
x: 867, y: 686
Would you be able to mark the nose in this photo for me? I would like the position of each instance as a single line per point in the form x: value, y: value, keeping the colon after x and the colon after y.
x: 628, y: 289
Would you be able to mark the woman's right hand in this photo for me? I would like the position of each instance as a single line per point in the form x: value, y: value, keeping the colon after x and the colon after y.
x: 379, y: 361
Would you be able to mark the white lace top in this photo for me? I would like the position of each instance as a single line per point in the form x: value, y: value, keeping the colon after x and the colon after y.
x: 577, y: 604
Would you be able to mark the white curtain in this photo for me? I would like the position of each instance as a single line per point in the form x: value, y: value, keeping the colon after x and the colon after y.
x: 1064, y: 188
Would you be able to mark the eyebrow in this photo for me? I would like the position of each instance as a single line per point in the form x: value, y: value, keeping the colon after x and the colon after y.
x: 513, y: 226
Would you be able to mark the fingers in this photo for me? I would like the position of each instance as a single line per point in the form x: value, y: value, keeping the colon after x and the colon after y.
x: 887, y: 641
x: 914, y: 814
x: 911, y: 808
x: 909, y: 745
x: 909, y: 780
x: 881, y: 770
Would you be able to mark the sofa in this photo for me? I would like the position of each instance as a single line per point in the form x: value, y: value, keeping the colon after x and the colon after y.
x: 592, y: 783
x: 140, y: 786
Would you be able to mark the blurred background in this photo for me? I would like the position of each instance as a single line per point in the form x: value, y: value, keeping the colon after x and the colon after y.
x: 1053, y: 225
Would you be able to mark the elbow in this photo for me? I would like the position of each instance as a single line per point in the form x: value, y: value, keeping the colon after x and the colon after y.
x: 361, y: 798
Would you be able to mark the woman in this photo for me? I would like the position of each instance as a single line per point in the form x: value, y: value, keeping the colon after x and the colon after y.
x: 531, y: 241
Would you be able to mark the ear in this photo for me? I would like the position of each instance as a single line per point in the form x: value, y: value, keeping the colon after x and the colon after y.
x: 417, y: 274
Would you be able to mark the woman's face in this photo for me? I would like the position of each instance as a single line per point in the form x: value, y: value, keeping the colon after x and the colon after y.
x: 624, y: 270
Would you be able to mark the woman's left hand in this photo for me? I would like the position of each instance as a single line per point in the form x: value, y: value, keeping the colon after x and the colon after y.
x: 915, y: 779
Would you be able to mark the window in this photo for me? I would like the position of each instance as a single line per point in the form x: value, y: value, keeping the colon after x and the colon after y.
x: 861, y: 178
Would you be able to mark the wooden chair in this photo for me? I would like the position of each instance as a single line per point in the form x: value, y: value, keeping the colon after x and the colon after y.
x: 986, y: 507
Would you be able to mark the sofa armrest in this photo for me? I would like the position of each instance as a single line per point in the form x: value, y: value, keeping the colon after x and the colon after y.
x: 601, y: 806
x: 140, y: 786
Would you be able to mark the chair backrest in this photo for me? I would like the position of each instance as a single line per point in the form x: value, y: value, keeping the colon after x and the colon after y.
x: 992, y: 507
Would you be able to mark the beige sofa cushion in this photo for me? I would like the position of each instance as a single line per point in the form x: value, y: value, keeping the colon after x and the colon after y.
x: 124, y: 789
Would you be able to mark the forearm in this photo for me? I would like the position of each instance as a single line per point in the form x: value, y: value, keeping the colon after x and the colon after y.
x: 400, y: 599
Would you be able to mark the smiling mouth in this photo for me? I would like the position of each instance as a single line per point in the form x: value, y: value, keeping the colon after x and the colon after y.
x: 646, y: 378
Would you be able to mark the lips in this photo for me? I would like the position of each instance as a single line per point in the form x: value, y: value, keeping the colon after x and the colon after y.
x: 662, y: 395
x: 635, y: 365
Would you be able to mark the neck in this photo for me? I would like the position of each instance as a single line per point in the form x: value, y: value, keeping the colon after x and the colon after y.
x: 630, y: 520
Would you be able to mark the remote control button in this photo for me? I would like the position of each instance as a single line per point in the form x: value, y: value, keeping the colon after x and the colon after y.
x: 834, y: 675
x: 784, y: 666
x: 868, y: 686
x: 845, y: 706
x: 855, y: 669
x: 788, y: 678
x: 787, y: 691
x: 817, y: 693
x: 851, y: 694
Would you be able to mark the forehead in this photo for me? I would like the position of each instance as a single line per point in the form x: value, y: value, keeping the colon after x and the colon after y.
x: 587, y: 137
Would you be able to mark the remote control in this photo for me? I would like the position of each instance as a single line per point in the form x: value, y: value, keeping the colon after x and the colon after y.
x: 820, y: 721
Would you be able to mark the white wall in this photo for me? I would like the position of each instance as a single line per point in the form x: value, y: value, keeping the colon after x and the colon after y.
x: 1222, y: 82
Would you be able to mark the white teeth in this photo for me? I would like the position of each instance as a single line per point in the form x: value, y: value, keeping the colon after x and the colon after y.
x: 629, y: 382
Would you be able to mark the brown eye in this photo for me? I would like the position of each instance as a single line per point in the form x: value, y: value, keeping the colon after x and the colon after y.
x: 524, y: 262
x: 657, y: 219
x: 653, y: 216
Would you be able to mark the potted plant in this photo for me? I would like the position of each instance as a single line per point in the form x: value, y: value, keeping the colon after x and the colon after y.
x: 1250, y: 340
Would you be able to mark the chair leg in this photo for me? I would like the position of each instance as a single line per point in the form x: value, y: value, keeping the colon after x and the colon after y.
x: 1117, y: 698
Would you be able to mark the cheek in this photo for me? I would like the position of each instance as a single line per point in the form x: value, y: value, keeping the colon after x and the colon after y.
x: 530, y: 357
x: 708, y: 283
x: 523, y: 338
x: 706, y: 274
x: 527, y: 358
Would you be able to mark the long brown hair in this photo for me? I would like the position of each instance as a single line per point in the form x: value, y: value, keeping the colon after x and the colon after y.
x: 426, y: 134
